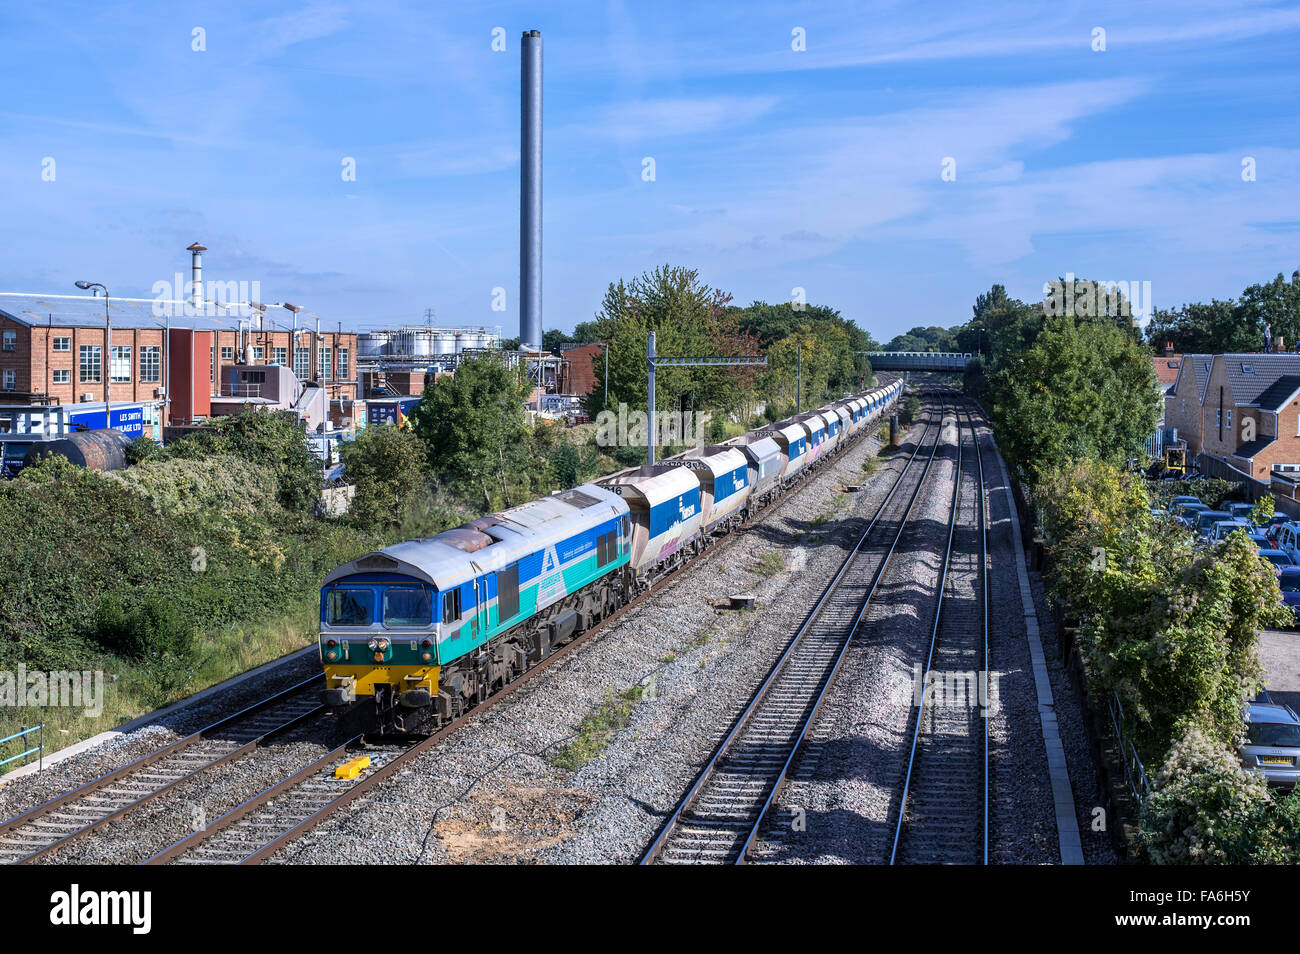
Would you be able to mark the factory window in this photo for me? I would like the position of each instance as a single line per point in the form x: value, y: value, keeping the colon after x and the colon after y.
x: 62, y: 376
x: 227, y: 353
x: 90, y: 363
x: 61, y: 344
x: 120, y: 366
x: 343, y: 364
x: 323, y: 363
x: 10, y: 341
x: 349, y: 607
x: 150, y: 363
x: 302, y: 363
x: 508, y: 593
x: 451, y: 606
x: 279, y: 355
x: 407, y: 606
x: 259, y: 353
x: 10, y: 380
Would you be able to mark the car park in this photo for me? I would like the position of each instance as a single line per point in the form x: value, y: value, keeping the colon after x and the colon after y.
x: 1272, y: 745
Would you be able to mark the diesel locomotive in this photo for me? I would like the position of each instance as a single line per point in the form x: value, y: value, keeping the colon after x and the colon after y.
x: 415, y: 634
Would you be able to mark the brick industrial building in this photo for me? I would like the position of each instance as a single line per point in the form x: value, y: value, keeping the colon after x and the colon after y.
x: 53, y: 350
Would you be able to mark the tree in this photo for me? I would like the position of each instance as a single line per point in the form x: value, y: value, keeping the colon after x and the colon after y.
x: 473, y: 427
x: 388, y: 466
x: 1085, y: 388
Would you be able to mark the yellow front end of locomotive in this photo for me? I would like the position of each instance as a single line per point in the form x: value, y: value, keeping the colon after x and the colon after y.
x: 348, y: 683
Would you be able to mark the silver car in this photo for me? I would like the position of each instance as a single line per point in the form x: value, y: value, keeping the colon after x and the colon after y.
x: 1272, y: 745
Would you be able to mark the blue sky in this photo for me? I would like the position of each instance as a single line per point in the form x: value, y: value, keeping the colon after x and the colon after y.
x: 775, y: 168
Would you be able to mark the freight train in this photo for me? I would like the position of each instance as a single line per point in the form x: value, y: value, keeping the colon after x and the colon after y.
x: 415, y: 634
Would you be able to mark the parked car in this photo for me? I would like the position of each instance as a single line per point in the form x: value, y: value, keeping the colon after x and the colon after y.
x: 1240, y: 511
x: 1187, y: 512
x: 1272, y: 746
x: 1185, y: 499
x: 1278, y: 558
x: 1260, y: 540
x: 1277, y: 521
x: 1288, y: 581
x: 1287, y: 537
x: 1205, y: 520
x: 1222, y: 528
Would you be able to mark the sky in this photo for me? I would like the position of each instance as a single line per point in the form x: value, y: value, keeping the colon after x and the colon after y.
x: 797, y: 150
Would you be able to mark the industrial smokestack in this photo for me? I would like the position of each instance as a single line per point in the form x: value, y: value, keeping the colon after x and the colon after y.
x: 196, y: 273
x: 530, y: 191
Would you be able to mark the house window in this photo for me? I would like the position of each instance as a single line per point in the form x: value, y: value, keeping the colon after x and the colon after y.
x: 10, y: 380
x: 150, y: 363
x: 302, y: 363
x: 343, y: 364
x: 90, y: 358
x: 1228, y: 420
x: 279, y: 355
x: 120, y: 365
x: 259, y: 353
x: 10, y: 341
x: 1184, y: 405
x: 323, y: 363
x: 61, y: 344
x: 62, y: 376
x: 227, y: 353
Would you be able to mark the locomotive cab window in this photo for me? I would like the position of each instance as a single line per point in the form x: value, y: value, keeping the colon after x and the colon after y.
x: 451, y: 605
x: 350, y: 607
x: 407, y: 606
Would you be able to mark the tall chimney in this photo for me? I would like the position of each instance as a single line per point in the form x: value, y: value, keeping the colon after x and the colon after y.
x: 530, y: 191
x: 196, y: 280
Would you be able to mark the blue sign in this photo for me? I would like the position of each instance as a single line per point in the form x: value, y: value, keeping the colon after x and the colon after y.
x: 129, y: 419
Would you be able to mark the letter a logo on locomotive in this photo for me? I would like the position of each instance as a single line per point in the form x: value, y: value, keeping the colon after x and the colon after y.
x: 552, y: 586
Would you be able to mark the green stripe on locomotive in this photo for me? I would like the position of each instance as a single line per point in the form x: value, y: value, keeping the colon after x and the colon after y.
x: 581, y: 573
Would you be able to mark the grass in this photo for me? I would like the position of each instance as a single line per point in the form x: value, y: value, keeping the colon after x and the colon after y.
x: 870, y: 465
x: 131, y: 690
x: 837, y: 504
x: 770, y: 563
x: 597, y: 730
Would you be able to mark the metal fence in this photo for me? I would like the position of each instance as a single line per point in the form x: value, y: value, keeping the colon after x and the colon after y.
x: 1135, y: 773
x: 25, y: 735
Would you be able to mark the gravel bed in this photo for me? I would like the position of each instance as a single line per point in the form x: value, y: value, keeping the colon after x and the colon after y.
x: 18, y: 795
x: 491, y: 793
x: 842, y: 803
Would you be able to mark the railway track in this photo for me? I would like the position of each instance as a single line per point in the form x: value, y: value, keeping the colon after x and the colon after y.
x: 56, y: 823
x: 266, y: 823
x: 943, y: 810
x: 720, y: 816
x: 285, y: 810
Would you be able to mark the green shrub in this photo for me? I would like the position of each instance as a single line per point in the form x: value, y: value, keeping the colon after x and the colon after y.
x: 143, y: 628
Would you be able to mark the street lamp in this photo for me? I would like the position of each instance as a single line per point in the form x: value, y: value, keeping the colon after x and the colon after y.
x: 107, y: 366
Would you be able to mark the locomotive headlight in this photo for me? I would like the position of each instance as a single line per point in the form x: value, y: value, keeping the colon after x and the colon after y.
x: 331, y: 655
x: 427, y: 657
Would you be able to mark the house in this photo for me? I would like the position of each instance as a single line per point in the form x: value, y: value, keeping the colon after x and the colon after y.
x: 1247, y: 413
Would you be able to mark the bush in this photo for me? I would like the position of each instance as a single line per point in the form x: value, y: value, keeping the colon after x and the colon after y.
x: 1203, y: 807
x: 141, y: 449
x: 387, y: 464
x: 143, y: 628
